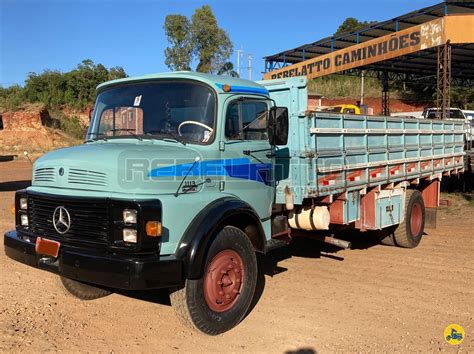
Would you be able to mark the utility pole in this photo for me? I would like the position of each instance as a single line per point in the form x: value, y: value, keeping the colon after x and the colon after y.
x: 250, y: 66
x: 239, y: 54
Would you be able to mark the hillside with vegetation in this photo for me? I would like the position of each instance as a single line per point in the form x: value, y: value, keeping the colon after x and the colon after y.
x: 66, y: 96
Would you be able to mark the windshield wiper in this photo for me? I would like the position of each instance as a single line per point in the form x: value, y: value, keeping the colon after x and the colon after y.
x: 166, y: 136
x: 98, y: 136
x: 131, y: 131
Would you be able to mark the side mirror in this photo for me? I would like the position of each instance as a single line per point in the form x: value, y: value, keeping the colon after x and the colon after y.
x: 278, y: 126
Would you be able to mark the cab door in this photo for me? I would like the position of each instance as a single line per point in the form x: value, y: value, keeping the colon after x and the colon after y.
x: 247, y: 154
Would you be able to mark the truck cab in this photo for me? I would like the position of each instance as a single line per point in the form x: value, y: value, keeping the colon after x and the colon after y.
x: 171, y: 162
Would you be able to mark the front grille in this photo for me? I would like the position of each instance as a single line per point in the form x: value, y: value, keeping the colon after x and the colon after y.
x: 44, y: 175
x: 89, y: 220
x: 93, y: 178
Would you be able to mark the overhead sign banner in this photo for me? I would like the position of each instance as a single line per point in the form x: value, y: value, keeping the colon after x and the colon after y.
x: 427, y: 35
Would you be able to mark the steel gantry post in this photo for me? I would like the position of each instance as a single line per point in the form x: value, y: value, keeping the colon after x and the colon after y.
x: 443, y: 86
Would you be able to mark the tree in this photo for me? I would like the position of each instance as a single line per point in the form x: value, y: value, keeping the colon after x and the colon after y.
x: 462, y: 97
x: 227, y: 69
x: 117, y: 72
x: 74, y: 89
x: 178, y: 31
x: 352, y: 24
x: 11, y: 97
x: 200, y: 38
x: 212, y: 44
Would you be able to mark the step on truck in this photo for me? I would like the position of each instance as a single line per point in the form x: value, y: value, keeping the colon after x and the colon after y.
x: 183, y: 177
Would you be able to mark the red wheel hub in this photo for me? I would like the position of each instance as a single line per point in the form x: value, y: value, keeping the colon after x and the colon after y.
x: 416, y: 219
x: 223, y: 280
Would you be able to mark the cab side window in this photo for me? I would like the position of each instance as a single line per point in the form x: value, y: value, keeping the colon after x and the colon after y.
x: 246, y: 120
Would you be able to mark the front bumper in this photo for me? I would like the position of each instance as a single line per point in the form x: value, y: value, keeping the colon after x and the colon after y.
x: 109, y: 270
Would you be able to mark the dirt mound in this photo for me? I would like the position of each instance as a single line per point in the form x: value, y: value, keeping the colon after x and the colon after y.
x: 26, y: 129
x: 26, y: 118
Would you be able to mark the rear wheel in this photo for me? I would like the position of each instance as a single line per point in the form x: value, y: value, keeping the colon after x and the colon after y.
x: 81, y: 290
x: 220, y: 299
x: 409, y: 233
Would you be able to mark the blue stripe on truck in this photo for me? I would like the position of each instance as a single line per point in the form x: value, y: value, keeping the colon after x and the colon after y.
x: 244, y: 89
x: 240, y: 168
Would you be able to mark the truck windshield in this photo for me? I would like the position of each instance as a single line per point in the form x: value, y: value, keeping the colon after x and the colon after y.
x: 178, y: 110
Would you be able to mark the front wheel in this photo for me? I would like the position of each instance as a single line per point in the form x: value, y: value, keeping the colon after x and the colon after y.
x: 81, y: 290
x: 220, y: 299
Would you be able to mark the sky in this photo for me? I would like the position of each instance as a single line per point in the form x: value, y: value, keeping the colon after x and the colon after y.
x: 59, y: 34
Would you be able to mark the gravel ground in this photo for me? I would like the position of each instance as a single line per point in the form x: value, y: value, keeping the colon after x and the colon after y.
x: 310, y: 298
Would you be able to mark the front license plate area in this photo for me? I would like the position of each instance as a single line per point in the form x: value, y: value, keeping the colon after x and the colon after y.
x: 47, y: 247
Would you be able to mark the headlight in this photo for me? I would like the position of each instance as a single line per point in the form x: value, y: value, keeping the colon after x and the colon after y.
x: 23, y: 203
x: 24, y: 220
x: 130, y: 216
x: 130, y: 235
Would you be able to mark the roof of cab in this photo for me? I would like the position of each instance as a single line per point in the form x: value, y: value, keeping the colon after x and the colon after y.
x: 216, y: 81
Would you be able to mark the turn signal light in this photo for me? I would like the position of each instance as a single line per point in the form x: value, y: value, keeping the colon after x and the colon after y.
x: 153, y: 228
x: 226, y: 88
x: 12, y: 209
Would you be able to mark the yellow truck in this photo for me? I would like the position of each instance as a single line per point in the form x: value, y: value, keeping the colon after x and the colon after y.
x: 343, y: 108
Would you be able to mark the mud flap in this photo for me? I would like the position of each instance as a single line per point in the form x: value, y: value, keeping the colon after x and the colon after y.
x: 430, y: 218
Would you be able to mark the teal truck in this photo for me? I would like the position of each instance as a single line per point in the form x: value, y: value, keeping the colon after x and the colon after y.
x: 183, y: 177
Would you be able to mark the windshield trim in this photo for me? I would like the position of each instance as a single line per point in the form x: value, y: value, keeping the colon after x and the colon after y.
x: 151, y: 136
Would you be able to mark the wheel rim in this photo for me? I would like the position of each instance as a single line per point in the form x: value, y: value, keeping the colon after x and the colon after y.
x: 223, y: 281
x: 416, y: 219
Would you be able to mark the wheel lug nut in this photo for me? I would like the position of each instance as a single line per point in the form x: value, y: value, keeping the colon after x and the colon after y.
x: 219, y: 282
x: 227, y: 296
x: 221, y: 293
x: 231, y: 266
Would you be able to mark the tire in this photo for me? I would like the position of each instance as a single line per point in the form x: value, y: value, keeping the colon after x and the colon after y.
x: 81, y: 290
x: 200, y: 305
x: 409, y: 233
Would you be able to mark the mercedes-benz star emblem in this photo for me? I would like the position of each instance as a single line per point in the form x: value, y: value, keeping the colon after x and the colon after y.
x: 61, y: 220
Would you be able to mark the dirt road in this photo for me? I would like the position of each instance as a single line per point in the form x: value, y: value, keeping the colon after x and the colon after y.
x: 373, y: 298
